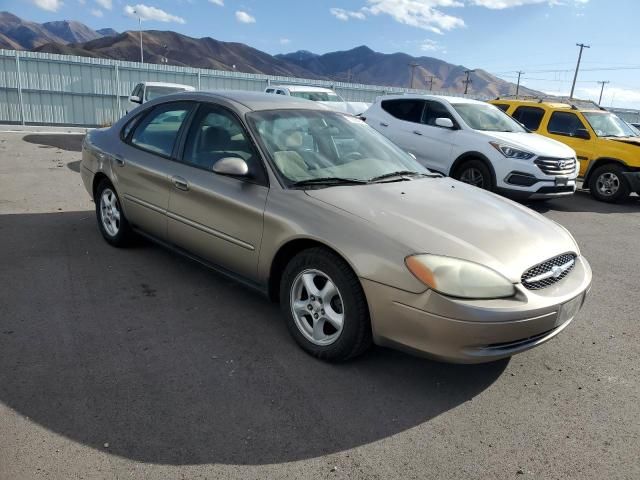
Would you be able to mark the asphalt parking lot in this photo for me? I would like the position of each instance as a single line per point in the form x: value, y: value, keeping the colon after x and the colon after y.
x: 138, y: 363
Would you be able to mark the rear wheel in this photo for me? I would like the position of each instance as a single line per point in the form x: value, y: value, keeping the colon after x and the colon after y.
x: 324, y: 306
x: 111, y: 219
x: 607, y: 183
x: 476, y: 173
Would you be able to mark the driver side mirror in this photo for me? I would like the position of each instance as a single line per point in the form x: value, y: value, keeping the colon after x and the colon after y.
x: 135, y: 99
x: 234, y: 166
x: 444, y: 123
x: 582, y: 133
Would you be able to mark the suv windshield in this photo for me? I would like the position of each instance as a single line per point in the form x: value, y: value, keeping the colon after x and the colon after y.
x: 607, y: 124
x: 308, y: 144
x: 318, y: 96
x: 487, y: 118
x: 155, y: 92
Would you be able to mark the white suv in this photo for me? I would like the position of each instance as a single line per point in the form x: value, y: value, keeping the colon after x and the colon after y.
x: 476, y: 143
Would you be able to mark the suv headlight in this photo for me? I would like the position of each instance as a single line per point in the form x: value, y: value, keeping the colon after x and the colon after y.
x: 512, y: 152
x: 459, y: 278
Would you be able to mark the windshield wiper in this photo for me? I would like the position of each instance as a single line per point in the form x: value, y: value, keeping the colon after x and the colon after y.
x: 402, y: 174
x: 328, y: 181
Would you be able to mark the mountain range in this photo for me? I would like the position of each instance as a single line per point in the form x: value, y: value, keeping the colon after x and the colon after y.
x: 360, y: 64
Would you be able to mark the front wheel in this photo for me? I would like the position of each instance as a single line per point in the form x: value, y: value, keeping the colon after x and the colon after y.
x: 324, y: 306
x: 607, y: 184
x: 476, y: 173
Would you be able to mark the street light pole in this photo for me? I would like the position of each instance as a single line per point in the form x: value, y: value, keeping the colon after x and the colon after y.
x: 603, y: 83
x: 575, y: 77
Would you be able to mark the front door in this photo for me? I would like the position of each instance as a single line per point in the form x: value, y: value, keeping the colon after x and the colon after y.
x: 219, y: 218
x: 437, y: 142
x: 568, y: 128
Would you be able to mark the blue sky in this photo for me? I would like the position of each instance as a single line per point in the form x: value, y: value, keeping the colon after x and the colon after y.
x: 501, y: 36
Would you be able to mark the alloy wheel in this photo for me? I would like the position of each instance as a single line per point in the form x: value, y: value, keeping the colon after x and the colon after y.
x: 608, y: 184
x: 317, y: 308
x: 472, y: 176
x: 110, y: 212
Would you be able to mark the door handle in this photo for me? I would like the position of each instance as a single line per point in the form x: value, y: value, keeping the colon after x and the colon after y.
x: 383, y: 124
x: 416, y: 132
x: 180, y: 183
x: 119, y: 160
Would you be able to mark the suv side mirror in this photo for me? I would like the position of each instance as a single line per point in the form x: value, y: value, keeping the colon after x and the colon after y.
x: 582, y: 133
x: 231, y: 166
x: 135, y: 99
x: 444, y: 123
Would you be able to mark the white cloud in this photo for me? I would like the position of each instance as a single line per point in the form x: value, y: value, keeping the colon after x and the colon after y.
x: 344, y: 15
x: 82, y: 2
x: 422, y: 14
x: 106, y: 4
x: 96, y: 12
x: 51, y: 5
x: 220, y: 3
x: 244, y: 17
x: 613, y: 96
x: 432, y: 46
x: 502, y: 4
x: 146, y: 12
x: 284, y: 41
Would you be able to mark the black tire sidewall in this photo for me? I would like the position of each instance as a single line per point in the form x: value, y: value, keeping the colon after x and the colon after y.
x: 123, y: 235
x: 356, y: 332
x: 482, y: 167
x: 623, y: 191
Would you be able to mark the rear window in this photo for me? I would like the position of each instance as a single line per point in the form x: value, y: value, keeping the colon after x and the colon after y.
x: 530, y: 117
x: 407, y: 110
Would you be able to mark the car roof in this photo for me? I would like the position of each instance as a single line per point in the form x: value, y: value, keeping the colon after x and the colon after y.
x: 546, y: 103
x: 452, y: 100
x: 302, y: 88
x: 167, y: 84
x: 251, y: 101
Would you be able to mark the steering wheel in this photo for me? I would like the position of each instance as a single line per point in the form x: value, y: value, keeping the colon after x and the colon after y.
x: 352, y: 156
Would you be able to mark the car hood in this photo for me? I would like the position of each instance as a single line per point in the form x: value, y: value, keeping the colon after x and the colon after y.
x: 446, y: 217
x: 534, y: 143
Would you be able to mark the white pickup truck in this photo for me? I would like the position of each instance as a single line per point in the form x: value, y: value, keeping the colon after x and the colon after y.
x: 326, y: 96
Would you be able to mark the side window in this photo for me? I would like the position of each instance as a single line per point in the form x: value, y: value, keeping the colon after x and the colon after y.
x: 530, y: 117
x: 137, y: 92
x: 502, y: 106
x: 564, y: 123
x: 435, y: 110
x: 216, y: 133
x: 158, y: 130
x: 408, y: 110
x: 280, y: 92
x: 269, y: 90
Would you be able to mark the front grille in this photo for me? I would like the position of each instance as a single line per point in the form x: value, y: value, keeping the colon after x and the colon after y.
x: 547, y: 273
x: 556, y: 166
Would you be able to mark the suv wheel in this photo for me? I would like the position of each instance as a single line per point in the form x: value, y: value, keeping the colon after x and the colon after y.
x: 111, y: 220
x: 607, y: 183
x: 476, y: 173
x: 324, y: 306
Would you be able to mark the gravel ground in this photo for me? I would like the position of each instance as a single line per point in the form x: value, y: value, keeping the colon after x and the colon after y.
x: 138, y: 363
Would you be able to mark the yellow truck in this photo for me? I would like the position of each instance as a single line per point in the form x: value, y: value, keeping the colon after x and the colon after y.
x: 607, y: 147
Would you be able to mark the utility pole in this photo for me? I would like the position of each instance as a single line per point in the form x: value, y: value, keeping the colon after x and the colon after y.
x: 603, y: 83
x: 575, y: 77
x: 140, y: 31
x: 518, y: 84
x: 413, y: 72
x: 430, y: 80
x: 467, y: 81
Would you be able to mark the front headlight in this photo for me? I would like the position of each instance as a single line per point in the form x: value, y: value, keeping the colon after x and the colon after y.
x: 459, y: 278
x: 512, y: 152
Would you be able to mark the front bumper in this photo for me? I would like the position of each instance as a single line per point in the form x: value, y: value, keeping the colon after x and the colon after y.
x: 473, y: 331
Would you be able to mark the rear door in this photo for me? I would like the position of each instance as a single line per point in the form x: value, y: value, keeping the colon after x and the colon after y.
x: 219, y: 218
x: 400, y: 122
x: 141, y: 162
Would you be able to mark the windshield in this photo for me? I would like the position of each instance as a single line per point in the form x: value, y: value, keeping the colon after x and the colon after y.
x: 318, y: 96
x: 607, y: 124
x: 487, y: 118
x: 310, y: 144
x: 155, y: 92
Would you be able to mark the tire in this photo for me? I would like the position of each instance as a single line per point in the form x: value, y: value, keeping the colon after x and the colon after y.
x: 326, y: 341
x: 112, y: 222
x: 476, y: 173
x: 607, y: 184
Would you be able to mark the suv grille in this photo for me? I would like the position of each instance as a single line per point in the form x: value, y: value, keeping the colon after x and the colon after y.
x: 556, y: 166
x: 549, y: 272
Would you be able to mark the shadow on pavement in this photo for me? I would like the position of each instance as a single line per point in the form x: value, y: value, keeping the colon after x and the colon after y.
x: 582, y: 201
x: 169, y: 363
x: 68, y: 142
